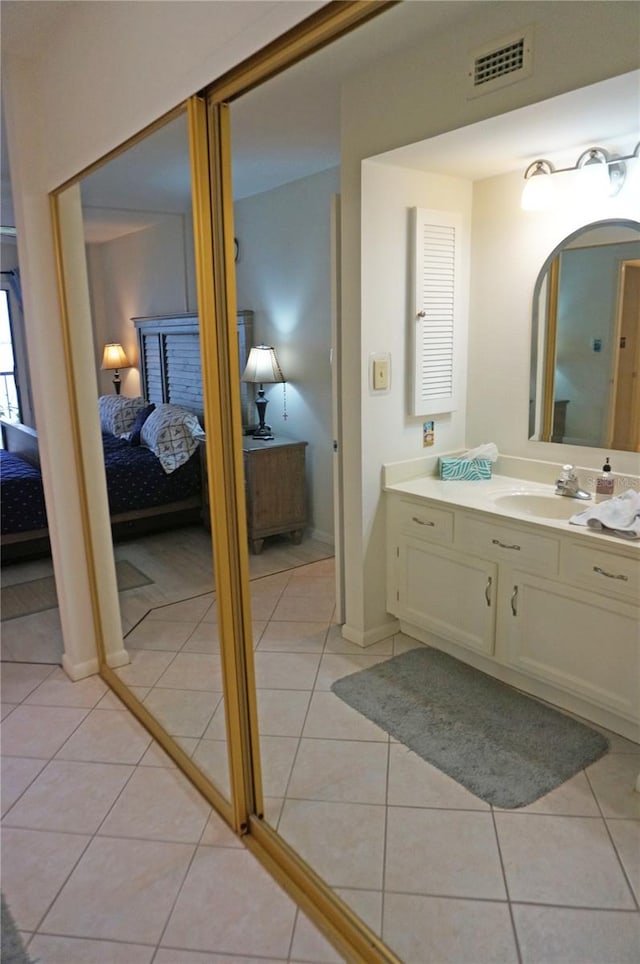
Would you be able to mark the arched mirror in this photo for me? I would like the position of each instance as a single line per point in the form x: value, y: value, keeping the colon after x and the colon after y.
x: 585, y: 346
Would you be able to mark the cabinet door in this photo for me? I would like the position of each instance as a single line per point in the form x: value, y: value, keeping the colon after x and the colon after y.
x: 582, y: 642
x: 447, y: 593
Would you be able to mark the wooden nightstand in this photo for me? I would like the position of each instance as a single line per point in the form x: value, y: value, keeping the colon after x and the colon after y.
x: 275, y: 483
x: 275, y: 487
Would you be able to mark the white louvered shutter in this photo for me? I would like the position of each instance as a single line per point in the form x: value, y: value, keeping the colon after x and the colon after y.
x: 435, y: 311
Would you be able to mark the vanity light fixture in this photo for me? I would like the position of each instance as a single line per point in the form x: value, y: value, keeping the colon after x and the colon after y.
x: 599, y: 175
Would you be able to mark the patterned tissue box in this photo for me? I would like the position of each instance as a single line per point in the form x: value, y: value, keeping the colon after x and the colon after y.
x: 469, y: 470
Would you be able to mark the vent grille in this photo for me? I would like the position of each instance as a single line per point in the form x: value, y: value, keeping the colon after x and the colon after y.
x: 505, y: 61
x: 498, y: 63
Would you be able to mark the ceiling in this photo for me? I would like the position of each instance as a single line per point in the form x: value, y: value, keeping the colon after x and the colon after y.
x: 288, y: 128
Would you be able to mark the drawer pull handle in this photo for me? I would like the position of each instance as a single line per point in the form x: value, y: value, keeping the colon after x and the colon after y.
x: 514, y: 601
x: 610, y: 575
x: 503, y: 545
x: 487, y: 591
x: 421, y: 522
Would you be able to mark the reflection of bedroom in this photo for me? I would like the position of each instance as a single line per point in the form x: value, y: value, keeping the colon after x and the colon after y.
x: 138, y: 230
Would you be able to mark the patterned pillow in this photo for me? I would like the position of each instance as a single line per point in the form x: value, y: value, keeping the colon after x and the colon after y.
x: 118, y: 413
x: 140, y: 419
x: 171, y: 432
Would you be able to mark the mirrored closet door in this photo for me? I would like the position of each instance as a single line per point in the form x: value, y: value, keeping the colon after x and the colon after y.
x: 129, y: 274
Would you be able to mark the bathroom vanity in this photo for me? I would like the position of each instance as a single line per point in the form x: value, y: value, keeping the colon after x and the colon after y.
x: 493, y: 573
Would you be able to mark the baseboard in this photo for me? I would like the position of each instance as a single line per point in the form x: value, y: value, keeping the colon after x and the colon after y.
x: 370, y: 636
x: 77, y: 671
x: 119, y: 658
x: 320, y: 536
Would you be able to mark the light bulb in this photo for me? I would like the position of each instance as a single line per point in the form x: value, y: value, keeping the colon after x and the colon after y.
x: 538, y: 193
x: 592, y: 180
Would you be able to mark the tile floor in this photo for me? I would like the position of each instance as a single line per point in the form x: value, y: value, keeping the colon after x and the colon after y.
x: 442, y: 876
x: 439, y: 874
x: 110, y: 856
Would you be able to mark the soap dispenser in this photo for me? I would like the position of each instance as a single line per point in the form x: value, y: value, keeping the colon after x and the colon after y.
x: 605, y: 483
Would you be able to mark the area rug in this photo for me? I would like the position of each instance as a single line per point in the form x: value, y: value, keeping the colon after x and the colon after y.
x: 505, y: 747
x: 26, y: 598
x: 13, y: 951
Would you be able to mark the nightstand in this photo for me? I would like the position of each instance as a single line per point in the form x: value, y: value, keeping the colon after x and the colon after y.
x: 275, y: 484
x: 275, y: 488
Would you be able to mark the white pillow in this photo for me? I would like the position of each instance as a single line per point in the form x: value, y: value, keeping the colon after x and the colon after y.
x: 118, y: 412
x: 172, y: 433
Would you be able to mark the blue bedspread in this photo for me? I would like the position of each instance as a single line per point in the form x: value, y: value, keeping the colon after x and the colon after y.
x: 135, y: 480
x: 22, y: 502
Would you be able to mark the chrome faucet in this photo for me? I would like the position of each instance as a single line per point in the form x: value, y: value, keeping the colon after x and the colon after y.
x: 569, y: 485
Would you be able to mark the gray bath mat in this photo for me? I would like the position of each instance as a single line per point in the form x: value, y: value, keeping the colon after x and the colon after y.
x: 11, y: 946
x: 505, y: 747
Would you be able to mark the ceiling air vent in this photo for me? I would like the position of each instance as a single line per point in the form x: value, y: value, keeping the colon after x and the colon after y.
x: 504, y: 62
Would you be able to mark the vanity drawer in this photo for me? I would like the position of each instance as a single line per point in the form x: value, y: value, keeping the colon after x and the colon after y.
x: 527, y: 550
x: 602, y: 571
x: 424, y: 521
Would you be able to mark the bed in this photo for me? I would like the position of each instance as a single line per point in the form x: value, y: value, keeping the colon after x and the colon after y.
x: 152, y: 485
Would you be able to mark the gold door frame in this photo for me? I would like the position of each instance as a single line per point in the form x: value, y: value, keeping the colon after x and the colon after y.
x: 341, y: 925
x: 551, y: 332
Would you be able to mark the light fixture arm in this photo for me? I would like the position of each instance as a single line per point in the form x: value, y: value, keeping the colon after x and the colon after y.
x: 539, y: 167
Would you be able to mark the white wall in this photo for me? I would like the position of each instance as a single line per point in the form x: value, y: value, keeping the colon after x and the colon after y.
x: 406, y: 99
x: 284, y: 276
x: 389, y: 434
x: 140, y: 274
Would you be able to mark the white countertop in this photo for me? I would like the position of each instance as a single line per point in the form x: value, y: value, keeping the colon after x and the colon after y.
x: 481, y: 496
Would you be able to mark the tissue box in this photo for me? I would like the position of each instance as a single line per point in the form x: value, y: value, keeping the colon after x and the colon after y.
x: 470, y: 470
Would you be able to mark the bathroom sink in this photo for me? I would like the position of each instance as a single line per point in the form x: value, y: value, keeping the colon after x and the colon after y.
x: 541, y: 506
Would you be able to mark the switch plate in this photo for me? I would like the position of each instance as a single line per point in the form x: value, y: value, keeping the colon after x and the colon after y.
x: 380, y: 375
x: 379, y: 372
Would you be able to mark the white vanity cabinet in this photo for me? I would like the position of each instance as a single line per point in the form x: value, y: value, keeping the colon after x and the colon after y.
x: 585, y: 643
x: 447, y: 593
x: 554, y: 615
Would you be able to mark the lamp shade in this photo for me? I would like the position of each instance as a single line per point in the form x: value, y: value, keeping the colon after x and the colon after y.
x: 262, y: 366
x: 593, y: 180
x: 113, y: 357
x: 538, y: 193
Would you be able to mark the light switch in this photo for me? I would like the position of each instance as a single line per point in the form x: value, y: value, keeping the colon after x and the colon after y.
x: 380, y: 374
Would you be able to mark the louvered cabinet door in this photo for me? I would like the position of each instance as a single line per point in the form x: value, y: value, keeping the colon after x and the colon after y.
x: 275, y: 484
x: 438, y: 312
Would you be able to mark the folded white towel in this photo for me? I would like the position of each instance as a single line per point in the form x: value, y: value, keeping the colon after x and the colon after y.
x: 621, y: 515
